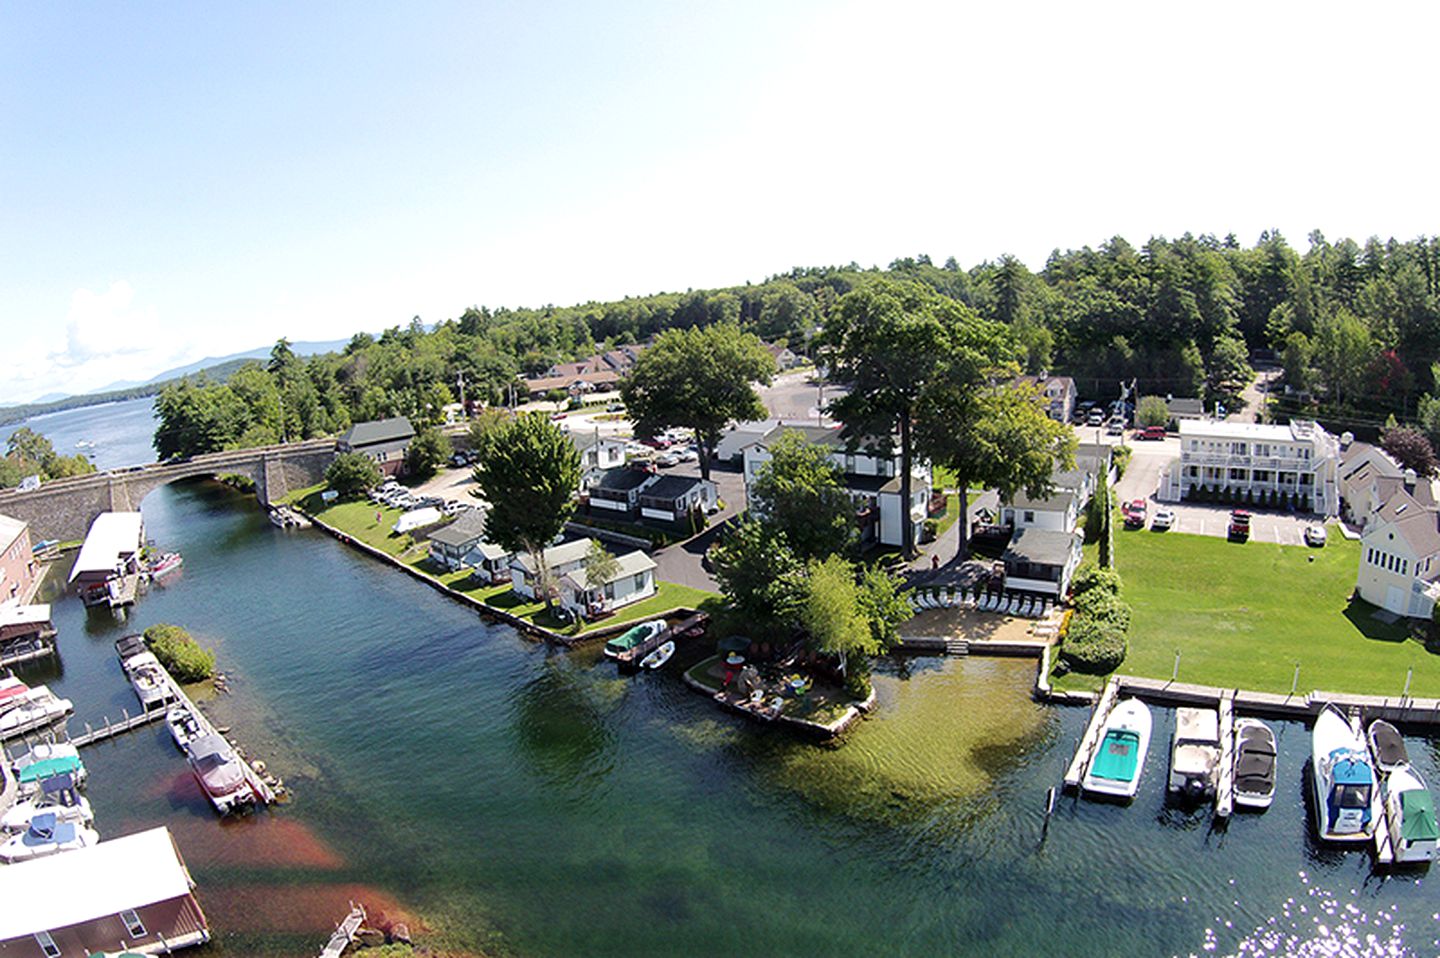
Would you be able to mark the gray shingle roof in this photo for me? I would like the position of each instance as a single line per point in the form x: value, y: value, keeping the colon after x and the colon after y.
x: 1040, y: 547
x: 671, y: 487
x: 622, y: 479
x: 379, y: 430
x: 466, y: 528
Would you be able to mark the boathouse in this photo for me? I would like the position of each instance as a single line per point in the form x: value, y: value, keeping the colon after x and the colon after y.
x: 26, y: 633
x: 131, y: 894
x: 383, y: 441
x: 111, y: 551
x: 19, y: 571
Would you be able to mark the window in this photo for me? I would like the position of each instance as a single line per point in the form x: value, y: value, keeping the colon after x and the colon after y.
x: 1238, y: 448
x: 47, y: 944
x: 133, y: 924
x: 639, y: 581
x: 1029, y: 516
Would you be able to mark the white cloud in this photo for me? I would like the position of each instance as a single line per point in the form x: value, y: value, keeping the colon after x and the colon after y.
x: 102, y: 325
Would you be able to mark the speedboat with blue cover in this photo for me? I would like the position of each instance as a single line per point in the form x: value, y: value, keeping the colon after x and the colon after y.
x: 47, y: 835
x: 57, y: 796
x: 47, y: 759
x: 1120, y: 757
x: 1347, y: 794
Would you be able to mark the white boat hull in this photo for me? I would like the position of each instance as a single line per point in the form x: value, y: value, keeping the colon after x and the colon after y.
x: 17, y: 818
x: 18, y: 850
x: 1343, y: 812
x: 1131, y: 716
x: 1403, y: 779
x: 1246, y: 798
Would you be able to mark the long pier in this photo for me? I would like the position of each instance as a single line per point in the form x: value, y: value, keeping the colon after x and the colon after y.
x: 1075, y: 774
x: 1225, y: 782
x: 111, y: 729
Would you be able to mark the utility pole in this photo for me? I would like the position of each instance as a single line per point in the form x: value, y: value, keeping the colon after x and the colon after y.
x: 460, y: 381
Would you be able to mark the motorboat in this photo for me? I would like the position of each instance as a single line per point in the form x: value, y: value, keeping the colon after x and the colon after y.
x: 659, y: 656
x: 1119, y: 759
x: 1255, y: 757
x: 11, y: 689
x: 47, y: 835
x: 184, y: 727
x: 1347, y: 796
x: 219, y: 771
x: 57, y: 795
x: 32, y: 710
x: 45, y: 759
x: 166, y: 564
x: 149, y: 679
x: 639, y: 634
x: 1195, y: 753
x: 130, y: 645
x: 1410, y: 816
x: 1387, y: 747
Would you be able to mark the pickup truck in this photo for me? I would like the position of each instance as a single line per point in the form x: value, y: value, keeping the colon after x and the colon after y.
x: 1239, y: 525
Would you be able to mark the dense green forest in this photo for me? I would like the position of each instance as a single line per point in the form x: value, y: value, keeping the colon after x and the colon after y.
x: 1357, y: 328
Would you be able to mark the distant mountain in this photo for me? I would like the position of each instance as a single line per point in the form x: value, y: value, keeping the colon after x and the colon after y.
x: 260, y: 352
x: 51, y: 397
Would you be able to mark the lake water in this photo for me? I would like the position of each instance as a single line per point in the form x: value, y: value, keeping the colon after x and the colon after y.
x: 121, y: 432
x: 515, y: 798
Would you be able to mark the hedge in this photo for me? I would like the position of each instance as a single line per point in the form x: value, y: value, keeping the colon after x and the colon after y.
x: 1094, y: 646
x: 181, y: 655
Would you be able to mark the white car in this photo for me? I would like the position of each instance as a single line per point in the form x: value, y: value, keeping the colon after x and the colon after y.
x: 1315, y: 536
x: 688, y: 454
x: 1164, y: 519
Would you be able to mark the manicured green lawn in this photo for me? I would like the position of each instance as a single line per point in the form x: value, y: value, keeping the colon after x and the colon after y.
x: 357, y: 520
x: 1243, y: 614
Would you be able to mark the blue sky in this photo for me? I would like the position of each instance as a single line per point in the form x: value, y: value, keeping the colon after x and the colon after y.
x: 181, y: 180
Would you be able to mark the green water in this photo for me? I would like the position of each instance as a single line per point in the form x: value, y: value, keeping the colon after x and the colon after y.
x: 525, y: 800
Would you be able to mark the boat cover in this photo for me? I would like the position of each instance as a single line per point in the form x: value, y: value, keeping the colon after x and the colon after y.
x: 56, y: 784
x: 1417, y: 816
x: 12, y: 691
x: 36, y: 771
x: 1255, y: 764
x: 1349, y: 770
x: 1389, y: 746
x: 1116, y: 759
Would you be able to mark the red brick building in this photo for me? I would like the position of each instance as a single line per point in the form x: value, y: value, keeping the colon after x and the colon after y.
x: 18, y: 567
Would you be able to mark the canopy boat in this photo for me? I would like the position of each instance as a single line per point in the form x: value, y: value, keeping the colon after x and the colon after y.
x: 166, y: 564
x: 1195, y: 752
x: 32, y: 710
x: 1347, y: 799
x: 149, y: 679
x: 1120, y: 757
x: 1386, y: 746
x: 184, y: 728
x: 57, y: 796
x: 659, y: 657
x: 1410, y: 816
x: 46, y: 759
x: 219, y: 771
x: 1254, y: 764
x: 640, y: 633
x: 46, y: 835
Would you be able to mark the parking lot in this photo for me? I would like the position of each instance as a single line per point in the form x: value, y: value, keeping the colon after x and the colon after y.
x: 1287, y: 529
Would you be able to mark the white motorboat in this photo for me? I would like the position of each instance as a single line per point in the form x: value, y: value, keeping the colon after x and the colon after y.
x: 57, y: 796
x: 1347, y: 796
x: 1119, y: 759
x: 184, y: 728
x: 1254, y: 764
x: 219, y: 771
x: 660, y: 656
x: 46, y: 759
x: 1387, y: 746
x: 32, y: 710
x: 149, y: 679
x: 47, y: 835
x: 166, y: 564
x: 1195, y: 752
x: 1410, y: 817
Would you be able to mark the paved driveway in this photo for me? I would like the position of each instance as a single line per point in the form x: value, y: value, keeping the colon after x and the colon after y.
x: 1282, y: 527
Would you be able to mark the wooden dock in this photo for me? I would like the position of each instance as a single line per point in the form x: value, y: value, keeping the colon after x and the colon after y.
x: 1225, y: 783
x: 1075, y: 774
x: 1384, y: 852
x: 344, y: 932
x: 111, y: 729
x: 630, y: 658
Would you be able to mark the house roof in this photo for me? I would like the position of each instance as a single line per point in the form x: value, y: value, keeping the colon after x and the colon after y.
x: 671, y: 487
x: 1299, y: 430
x: 13, y: 615
x: 488, y: 551
x: 874, y: 484
x: 623, y: 479
x: 1040, y: 547
x: 555, y: 556
x: 467, y: 527
x: 1048, y: 384
x: 1185, y: 407
x: 1357, y: 453
x: 1059, y: 500
x: 104, y: 879
x: 601, y: 377
x: 1421, y: 531
x: 1395, y: 497
x: 584, y: 440
x: 10, y: 530
x: 631, y: 563
x: 379, y: 430
x: 111, y: 536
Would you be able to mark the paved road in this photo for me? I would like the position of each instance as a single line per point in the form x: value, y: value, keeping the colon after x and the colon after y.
x: 1253, y: 395
x: 795, y: 396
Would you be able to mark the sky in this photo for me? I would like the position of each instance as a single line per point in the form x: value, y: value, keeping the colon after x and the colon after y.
x: 188, y: 180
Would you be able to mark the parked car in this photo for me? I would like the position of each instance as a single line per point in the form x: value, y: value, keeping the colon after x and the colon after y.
x: 656, y: 442
x: 1164, y: 519
x: 667, y: 459
x: 1239, y: 525
x: 1134, y: 512
x: 459, y: 459
x: 1115, y: 427
x: 688, y: 454
x: 1150, y: 432
x: 1315, y: 536
x: 1096, y: 417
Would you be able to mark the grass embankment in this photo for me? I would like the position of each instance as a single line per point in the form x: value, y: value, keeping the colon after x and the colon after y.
x: 372, y: 524
x: 1242, y: 615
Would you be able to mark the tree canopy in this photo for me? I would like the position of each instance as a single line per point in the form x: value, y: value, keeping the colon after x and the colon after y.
x: 29, y: 453
x: 800, y: 495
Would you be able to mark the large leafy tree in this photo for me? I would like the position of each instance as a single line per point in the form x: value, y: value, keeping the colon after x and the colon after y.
x: 427, y: 453
x: 893, y: 344
x: 529, y: 471
x: 698, y: 378
x: 799, y: 494
x: 352, y: 474
x: 29, y: 453
x: 833, y: 616
x: 759, y: 575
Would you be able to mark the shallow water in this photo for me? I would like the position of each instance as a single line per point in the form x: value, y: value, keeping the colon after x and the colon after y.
x: 518, y: 796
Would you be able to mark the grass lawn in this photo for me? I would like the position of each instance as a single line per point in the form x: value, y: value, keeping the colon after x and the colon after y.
x: 1243, y: 614
x: 357, y: 520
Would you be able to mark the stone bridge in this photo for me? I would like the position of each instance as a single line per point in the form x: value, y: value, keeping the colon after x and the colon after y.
x: 64, y: 509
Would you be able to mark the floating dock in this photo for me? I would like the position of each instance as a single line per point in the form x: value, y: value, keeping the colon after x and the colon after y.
x: 111, y: 729
x: 630, y: 658
x: 1225, y: 781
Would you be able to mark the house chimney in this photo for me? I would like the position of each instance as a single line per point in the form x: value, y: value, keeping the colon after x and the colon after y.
x: 1410, y: 479
x: 1346, y: 438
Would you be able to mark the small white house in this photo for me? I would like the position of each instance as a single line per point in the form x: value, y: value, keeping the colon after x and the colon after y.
x: 633, y: 580
x: 619, y: 490
x: 560, y: 560
x: 1042, y: 561
x: 598, y: 455
x: 1058, y: 512
x: 673, y: 498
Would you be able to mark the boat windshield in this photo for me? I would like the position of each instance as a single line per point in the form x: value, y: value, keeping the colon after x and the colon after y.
x: 1352, y: 796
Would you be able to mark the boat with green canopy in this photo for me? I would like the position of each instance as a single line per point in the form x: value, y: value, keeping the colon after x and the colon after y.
x: 1119, y: 759
x: 1410, y: 815
x: 640, y: 633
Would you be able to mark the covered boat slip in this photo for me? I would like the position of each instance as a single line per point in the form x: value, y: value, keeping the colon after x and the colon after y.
x: 26, y: 634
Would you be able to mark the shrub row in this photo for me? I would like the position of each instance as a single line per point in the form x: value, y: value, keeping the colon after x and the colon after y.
x: 1262, y: 498
x: 1094, y: 646
x: 181, y: 655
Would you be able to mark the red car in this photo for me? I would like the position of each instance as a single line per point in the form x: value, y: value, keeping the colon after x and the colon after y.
x: 1239, y: 524
x: 656, y: 442
x: 1150, y: 432
x: 1134, y: 513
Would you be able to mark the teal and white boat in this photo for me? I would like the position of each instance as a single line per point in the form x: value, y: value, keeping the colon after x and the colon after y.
x: 1120, y: 757
x: 641, y: 633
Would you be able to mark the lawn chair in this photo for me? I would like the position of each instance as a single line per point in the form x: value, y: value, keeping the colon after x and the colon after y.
x: 1025, y: 608
x: 949, y: 599
x: 987, y: 602
x: 1049, y: 607
x: 1013, y: 606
